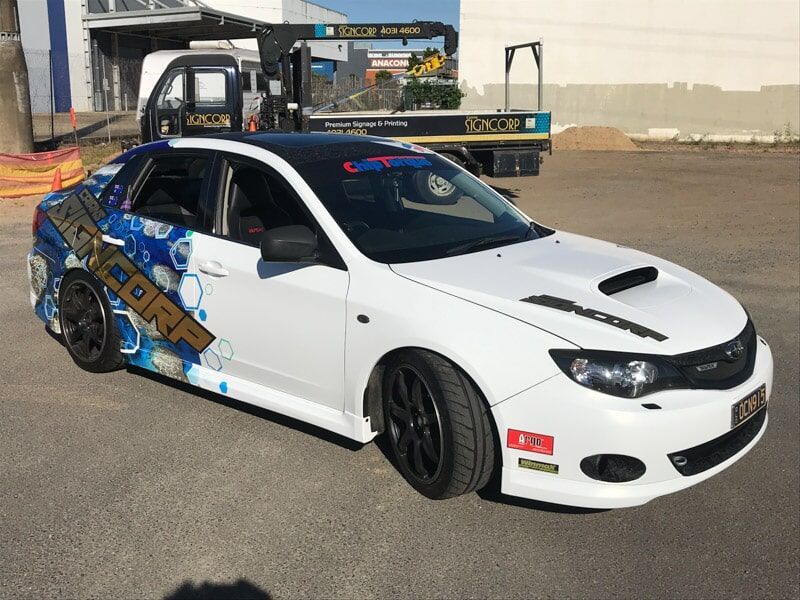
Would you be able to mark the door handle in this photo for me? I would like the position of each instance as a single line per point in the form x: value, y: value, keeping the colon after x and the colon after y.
x: 112, y: 240
x: 213, y: 268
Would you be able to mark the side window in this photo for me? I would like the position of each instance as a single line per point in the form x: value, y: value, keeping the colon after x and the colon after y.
x: 117, y: 194
x: 256, y: 200
x: 171, y: 190
x: 209, y: 88
x: 170, y: 102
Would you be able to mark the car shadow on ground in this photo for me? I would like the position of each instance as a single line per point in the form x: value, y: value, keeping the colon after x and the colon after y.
x: 250, y: 409
x: 239, y: 590
x: 492, y: 493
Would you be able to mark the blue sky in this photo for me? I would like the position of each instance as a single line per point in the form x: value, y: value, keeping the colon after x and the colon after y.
x: 397, y: 11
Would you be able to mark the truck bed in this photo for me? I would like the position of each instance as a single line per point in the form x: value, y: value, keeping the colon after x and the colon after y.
x: 483, y: 128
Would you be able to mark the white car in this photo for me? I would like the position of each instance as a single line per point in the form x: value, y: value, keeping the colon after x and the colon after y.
x: 366, y: 286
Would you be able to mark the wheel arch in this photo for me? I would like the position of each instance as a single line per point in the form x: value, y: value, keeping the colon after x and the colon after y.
x: 373, y: 389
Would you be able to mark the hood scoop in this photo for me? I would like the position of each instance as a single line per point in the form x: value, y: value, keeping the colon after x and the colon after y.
x: 627, y: 280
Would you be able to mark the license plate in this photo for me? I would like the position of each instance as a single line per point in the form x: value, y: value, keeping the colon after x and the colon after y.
x: 747, y: 407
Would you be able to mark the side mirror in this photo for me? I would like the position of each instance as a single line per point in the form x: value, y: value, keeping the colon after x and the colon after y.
x: 292, y: 243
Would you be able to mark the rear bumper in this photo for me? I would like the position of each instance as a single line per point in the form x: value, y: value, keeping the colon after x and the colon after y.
x: 583, y: 423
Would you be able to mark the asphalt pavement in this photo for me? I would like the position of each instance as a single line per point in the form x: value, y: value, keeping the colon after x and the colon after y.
x: 123, y: 486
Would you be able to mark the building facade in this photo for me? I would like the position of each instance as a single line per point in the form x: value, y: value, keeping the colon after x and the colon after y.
x: 691, y: 66
x: 89, y: 52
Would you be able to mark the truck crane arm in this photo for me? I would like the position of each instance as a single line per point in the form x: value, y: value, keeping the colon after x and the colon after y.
x: 276, y: 41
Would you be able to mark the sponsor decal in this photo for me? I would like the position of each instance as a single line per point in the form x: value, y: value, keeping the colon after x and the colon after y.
x: 535, y: 465
x: 590, y: 313
x: 76, y: 219
x: 530, y: 442
x: 379, y: 163
x: 356, y: 31
x: 208, y: 119
x: 491, y: 124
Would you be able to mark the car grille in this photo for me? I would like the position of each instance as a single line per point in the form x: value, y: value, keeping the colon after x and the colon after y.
x: 706, y: 456
x: 711, y: 368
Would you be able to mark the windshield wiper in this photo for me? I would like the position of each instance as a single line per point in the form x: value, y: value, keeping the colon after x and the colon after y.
x: 484, y: 244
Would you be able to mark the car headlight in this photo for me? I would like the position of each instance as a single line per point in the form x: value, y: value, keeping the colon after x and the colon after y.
x: 618, y: 374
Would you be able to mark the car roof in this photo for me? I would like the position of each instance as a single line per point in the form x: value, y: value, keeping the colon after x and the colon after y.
x: 296, y: 148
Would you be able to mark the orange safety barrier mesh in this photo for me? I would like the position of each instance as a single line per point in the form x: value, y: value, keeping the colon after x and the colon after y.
x: 28, y: 174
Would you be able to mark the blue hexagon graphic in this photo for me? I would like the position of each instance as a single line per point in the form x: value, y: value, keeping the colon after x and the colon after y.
x: 56, y: 283
x: 112, y: 218
x: 49, y: 307
x: 161, y: 279
x: 225, y: 349
x: 146, y: 256
x: 131, y: 338
x: 162, y: 231
x: 137, y: 223
x: 180, y: 253
x: 193, y: 374
x: 212, y: 359
x: 130, y: 245
x: 190, y: 290
x: 113, y: 299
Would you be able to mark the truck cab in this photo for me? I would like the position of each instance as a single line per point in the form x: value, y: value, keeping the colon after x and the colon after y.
x: 191, y: 92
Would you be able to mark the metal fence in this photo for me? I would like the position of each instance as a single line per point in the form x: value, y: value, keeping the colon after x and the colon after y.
x: 350, y: 95
x: 48, y: 81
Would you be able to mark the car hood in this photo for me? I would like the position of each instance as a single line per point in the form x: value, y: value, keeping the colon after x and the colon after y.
x: 553, y: 283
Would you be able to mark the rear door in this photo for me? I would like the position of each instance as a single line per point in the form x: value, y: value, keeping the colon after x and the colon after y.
x: 154, y: 208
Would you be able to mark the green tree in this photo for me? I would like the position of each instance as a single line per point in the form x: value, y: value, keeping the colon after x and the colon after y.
x: 445, y: 96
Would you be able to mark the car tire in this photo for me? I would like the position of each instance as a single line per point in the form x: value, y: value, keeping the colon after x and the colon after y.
x: 433, y: 189
x: 88, y: 329
x: 437, y: 424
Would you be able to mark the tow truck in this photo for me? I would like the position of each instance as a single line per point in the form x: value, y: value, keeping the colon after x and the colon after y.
x: 192, y: 92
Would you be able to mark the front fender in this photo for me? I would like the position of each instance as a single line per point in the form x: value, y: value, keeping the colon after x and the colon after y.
x: 501, y: 354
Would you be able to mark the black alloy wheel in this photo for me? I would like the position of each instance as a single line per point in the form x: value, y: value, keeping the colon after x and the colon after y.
x: 83, y: 321
x: 87, y: 324
x: 414, y: 424
x: 438, y: 426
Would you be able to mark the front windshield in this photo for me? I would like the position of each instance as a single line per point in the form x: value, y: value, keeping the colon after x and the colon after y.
x: 403, y: 206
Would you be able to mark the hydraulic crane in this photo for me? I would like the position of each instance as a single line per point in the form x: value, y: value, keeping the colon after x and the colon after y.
x: 279, y: 58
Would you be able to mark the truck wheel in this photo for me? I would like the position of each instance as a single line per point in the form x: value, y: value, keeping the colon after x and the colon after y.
x: 438, y: 426
x: 87, y: 324
x: 437, y: 190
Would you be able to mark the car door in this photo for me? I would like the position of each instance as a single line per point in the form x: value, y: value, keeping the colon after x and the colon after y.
x: 154, y: 208
x: 280, y: 325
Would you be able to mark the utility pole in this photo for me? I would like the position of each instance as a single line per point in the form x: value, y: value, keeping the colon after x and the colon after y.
x: 16, y: 128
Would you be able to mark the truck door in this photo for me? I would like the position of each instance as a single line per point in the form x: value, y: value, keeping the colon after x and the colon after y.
x: 214, y: 100
x: 193, y: 100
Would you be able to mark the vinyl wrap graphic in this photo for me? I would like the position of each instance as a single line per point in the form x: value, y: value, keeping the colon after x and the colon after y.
x: 151, y: 289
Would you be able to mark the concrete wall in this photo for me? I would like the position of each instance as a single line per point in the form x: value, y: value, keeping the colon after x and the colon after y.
x: 701, y: 66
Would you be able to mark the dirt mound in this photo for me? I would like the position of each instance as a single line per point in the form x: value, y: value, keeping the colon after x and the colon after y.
x: 592, y: 138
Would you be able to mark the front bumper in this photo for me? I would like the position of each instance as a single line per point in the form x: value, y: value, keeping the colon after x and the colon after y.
x: 583, y: 423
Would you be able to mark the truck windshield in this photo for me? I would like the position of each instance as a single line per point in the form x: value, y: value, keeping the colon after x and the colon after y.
x: 413, y: 207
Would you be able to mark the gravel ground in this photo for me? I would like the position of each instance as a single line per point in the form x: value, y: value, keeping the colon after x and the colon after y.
x: 119, y: 486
